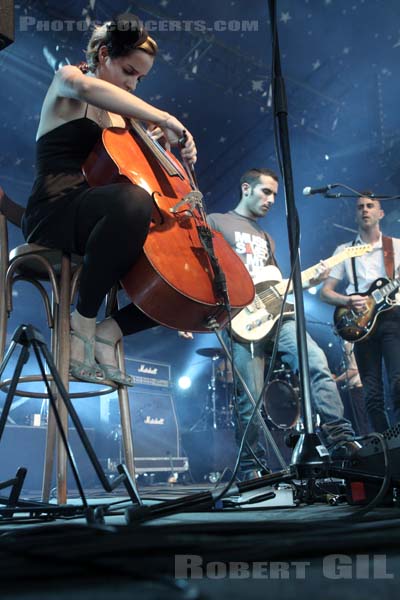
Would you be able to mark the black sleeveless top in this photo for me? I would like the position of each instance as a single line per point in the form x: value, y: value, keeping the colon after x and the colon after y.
x: 60, y: 154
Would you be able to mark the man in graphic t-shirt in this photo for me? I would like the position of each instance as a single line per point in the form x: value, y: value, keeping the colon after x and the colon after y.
x: 255, y: 247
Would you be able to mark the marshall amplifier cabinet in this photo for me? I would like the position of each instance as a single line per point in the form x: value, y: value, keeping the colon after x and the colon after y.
x: 148, y: 373
x: 156, y: 439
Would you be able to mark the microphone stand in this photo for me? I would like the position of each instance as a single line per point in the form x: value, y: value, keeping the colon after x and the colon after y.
x: 372, y: 196
x: 309, y: 454
x: 356, y: 194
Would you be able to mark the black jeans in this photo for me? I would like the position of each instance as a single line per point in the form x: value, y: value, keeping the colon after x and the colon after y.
x: 381, y: 347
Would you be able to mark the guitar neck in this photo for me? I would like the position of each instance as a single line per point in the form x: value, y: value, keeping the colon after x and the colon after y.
x: 311, y: 272
x: 390, y: 287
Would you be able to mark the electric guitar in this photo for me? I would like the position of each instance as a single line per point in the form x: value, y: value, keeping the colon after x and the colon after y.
x: 355, y: 326
x: 258, y: 318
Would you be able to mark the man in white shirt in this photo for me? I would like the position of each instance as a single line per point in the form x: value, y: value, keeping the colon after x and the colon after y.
x: 382, y: 345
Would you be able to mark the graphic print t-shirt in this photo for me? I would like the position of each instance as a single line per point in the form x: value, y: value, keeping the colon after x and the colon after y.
x: 246, y: 238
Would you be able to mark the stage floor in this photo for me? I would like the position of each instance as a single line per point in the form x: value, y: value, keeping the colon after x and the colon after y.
x: 273, y: 550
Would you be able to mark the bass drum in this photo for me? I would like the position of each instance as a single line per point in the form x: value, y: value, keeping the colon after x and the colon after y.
x: 281, y: 400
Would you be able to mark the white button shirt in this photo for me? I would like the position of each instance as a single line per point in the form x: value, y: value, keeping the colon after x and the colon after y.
x: 369, y: 266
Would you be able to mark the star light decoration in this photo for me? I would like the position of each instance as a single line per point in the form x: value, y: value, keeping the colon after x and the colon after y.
x: 285, y: 17
x: 257, y: 85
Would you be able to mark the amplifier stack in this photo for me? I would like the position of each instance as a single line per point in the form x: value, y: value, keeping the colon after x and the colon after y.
x: 156, y: 438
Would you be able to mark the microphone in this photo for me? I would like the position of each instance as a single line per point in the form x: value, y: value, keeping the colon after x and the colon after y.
x: 309, y: 191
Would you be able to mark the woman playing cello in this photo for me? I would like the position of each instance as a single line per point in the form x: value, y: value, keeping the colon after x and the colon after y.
x: 107, y: 225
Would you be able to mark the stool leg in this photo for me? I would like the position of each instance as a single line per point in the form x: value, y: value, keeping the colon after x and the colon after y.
x: 49, y: 453
x: 51, y: 422
x: 62, y: 326
x: 60, y: 349
x: 3, y: 269
x: 125, y: 416
x: 3, y: 323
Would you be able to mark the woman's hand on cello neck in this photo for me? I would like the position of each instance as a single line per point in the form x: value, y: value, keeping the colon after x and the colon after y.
x: 174, y: 133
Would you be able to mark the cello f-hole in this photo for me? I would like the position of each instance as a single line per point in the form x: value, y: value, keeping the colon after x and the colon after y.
x: 157, y: 208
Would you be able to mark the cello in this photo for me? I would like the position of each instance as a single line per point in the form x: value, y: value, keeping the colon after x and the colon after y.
x: 173, y: 281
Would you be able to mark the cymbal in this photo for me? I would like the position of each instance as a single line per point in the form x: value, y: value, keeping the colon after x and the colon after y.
x: 211, y: 352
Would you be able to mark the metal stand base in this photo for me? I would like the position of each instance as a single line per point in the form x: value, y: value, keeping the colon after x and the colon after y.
x: 27, y: 337
x: 206, y: 501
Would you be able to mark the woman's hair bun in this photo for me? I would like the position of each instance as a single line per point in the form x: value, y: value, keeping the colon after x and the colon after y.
x: 125, y: 32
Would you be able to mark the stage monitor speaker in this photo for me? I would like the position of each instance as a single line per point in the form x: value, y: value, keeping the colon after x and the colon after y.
x: 369, y: 460
x: 6, y: 23
x: 370, y: 457
x: 156, y: 439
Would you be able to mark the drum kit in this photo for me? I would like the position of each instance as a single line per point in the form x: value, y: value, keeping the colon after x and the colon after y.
x: 281, y: 401
x: 218, y: 413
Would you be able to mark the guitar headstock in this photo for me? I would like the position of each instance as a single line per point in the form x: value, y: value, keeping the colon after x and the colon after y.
x: 359, y: 250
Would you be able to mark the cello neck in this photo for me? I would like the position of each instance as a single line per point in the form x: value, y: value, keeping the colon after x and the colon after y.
x: 156, y: 149
x: 191, y: 173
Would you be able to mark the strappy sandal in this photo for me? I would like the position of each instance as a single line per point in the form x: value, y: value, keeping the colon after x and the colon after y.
x: 111, y: 371
x: 88, y: 369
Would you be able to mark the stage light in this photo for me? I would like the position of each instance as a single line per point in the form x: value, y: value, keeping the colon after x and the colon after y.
x: 184, y: 382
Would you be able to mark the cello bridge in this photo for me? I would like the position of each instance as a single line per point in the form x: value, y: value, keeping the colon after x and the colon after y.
x: 193, y: 200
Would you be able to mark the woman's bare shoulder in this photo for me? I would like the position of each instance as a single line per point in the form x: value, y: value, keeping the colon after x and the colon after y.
x: 57, y: 108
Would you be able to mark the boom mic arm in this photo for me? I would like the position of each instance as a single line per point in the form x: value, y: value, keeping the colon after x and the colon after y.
x: 309, y: 191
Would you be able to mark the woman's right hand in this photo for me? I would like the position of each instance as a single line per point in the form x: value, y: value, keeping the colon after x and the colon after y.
x: 174, y: 132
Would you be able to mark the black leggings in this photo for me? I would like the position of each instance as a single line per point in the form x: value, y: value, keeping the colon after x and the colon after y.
x: 112, y: 223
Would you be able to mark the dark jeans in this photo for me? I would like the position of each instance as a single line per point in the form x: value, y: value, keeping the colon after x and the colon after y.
x: 325, y: 396
x: 381, y: 347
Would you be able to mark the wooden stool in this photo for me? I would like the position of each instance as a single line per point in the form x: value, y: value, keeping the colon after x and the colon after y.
x: 37, y: 264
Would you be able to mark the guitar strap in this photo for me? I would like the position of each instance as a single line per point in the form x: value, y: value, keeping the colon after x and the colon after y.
x: 388, y: 259
x: 353, y: 267
x: 269, y: 247
x: 388, y: 256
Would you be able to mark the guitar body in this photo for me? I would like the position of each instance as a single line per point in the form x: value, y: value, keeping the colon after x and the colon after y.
x: 353, y: 326
x: 257, y: 320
